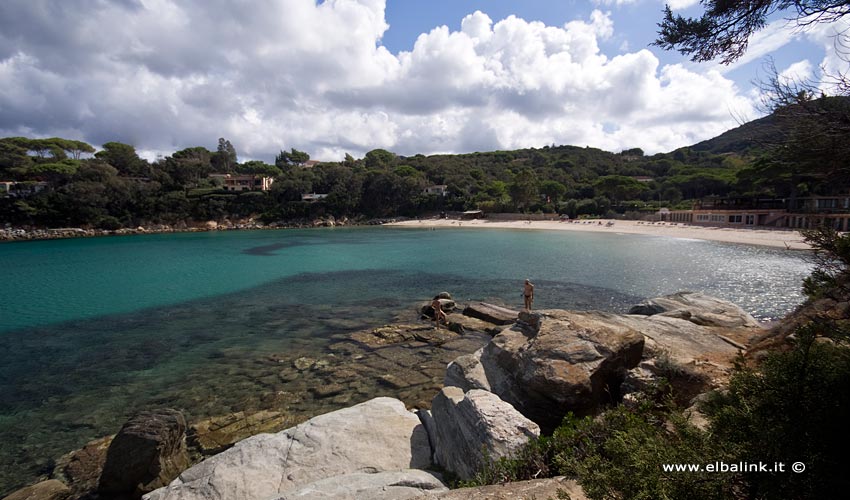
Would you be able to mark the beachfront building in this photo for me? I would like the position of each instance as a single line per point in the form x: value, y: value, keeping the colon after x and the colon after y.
x: 244, y: 182
x: 799, y: 213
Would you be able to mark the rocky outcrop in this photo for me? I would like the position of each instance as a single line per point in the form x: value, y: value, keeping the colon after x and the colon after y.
x: 147, y: 453
x: 391, y: 485
x: 45, y: 490
x: 570, y: 363
x: 491, y: 313
x: 375, y: 436
x: 534, y: 489
x: 556, y: 361
x: 698, y: 308
x: 469, y: 429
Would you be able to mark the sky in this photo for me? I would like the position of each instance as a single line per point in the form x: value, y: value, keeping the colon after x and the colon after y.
x: 348, y: 76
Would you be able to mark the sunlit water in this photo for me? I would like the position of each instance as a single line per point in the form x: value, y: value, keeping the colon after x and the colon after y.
x: 92, y: 330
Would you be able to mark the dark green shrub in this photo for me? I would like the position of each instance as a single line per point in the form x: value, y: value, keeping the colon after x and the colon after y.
x: 793, y: 408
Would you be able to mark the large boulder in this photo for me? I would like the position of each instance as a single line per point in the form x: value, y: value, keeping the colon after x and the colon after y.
x: 698, y: 308
x: 573, y: 362
x: 390, y: 485
x: 469, y: 429
x: 147, y: 453
x: 375, y: 436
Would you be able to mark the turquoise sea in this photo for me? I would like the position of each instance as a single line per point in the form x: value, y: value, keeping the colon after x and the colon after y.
x: 92, y: 330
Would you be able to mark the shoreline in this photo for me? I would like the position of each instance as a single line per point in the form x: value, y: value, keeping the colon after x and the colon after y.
x: 789, y: 240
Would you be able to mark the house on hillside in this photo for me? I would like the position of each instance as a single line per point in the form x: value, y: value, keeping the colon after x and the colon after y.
x: 437, y: 189
x: 244, y: 182
x: 310, y: 163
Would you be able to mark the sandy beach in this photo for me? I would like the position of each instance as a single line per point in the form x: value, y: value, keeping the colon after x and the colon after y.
x: 791, y: 240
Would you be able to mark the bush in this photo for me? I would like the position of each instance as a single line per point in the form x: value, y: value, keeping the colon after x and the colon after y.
x: 793, y: 408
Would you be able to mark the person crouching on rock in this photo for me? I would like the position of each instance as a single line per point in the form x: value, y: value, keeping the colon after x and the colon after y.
x: 438, y: 312
x: 528, y: 294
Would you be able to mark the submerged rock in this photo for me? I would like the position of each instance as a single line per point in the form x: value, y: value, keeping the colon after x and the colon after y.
x: 375, y: 436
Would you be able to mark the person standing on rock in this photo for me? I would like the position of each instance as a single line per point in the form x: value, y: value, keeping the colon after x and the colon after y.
x: 528, y: 294
x: 437, y: 306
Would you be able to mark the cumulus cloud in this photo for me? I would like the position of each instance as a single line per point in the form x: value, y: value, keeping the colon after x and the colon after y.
x: 165, y: 75
x: 680, y: 4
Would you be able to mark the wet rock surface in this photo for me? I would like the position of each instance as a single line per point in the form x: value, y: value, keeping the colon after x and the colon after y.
x: 45, y: 490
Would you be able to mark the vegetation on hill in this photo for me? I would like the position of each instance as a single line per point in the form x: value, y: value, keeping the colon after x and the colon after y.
x: 114, y: 187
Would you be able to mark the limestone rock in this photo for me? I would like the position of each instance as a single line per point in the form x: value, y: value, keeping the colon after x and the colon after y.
x: 220, y: 433
x: 147, y: 453
x: 375, y: 436
x: 467, y: 424
x: 491, y: 313
x: 390, y: 485
x: 45, y: 490
x: 520, y: 490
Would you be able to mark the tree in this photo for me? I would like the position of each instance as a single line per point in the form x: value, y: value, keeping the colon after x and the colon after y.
x: 224, y: 158
x: 619, y: 187
x: 379, y: 159
x: 725, y: 27
x: 293, y: 157
x: 553, y: 190
x: 524, y: 189
x: 259, y: 168
x: 123, y: 157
